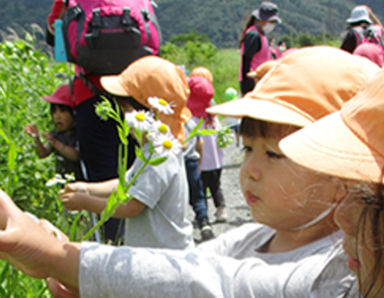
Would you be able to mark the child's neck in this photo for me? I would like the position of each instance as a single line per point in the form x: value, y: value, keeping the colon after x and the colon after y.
x: 287, y: 240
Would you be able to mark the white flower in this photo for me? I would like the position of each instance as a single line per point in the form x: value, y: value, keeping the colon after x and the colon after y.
x: 157, y: 128
x: 161, y: 105
x: 57, y: 179
x: 165, y: 143
x: 141, y: 120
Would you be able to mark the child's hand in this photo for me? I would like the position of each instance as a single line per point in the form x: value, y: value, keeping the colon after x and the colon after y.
x: 75, y: 187
x: 74, y: 200
x: 22, y: 249
x: 49, y: 137
x: 31, y: 130
x: 73, y: 195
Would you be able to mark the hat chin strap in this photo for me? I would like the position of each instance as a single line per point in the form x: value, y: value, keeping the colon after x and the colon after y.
x: 316, y: 219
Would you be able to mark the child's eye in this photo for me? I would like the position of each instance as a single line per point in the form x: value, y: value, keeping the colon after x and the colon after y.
x: 246, y: 149
x: 274, y: 155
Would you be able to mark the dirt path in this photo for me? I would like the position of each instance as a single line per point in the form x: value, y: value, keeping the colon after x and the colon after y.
x: 237, y: 210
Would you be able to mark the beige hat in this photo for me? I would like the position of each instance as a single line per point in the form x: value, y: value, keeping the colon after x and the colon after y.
x: 302, y: 87
x: 154, y: 76
x: 348, y: 143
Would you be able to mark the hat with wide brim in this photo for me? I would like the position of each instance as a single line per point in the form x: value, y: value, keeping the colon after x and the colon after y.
x: 302, y: 87
x: 268, y: 11
x: 152, y: 76
x: 359, y: 14
x: 61, y: 96
x: 348, y: 143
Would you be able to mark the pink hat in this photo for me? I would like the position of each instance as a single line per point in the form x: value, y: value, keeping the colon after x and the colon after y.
x: 61, y: 96
x: 200, y: 97
x: 373, y: 52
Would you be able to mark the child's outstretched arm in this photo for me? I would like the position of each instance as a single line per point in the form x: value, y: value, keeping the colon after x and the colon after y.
x: 38, y: 253
x: 93, y: 197
x: 71, y: 153
x: 42, y: 150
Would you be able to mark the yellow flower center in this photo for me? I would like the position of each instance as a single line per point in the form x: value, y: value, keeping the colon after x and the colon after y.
x: 163, y: 128
x: 167, y: 144
x: 140, y: 117
x: 163, y: 102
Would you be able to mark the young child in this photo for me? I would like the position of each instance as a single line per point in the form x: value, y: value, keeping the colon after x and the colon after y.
x: 212, y: 159
x: 350, y: 144
x: 294, y: 250
x: 156, y: 215
x: 61, y: 141
x: 192, y: 154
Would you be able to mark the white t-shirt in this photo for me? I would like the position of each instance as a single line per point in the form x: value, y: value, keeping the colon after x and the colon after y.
x: 164, y: 190
x: 316, y: 270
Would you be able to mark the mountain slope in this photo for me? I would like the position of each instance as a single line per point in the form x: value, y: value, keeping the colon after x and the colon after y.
x: 221, y: 20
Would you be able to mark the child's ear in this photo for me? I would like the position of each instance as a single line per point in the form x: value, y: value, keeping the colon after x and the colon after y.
x: 341, y: 191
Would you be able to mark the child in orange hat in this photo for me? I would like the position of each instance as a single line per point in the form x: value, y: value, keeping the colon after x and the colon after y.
x: 294, y: 248
x: 350, y: 145
x: 61, y: 141
x: 156, y: 214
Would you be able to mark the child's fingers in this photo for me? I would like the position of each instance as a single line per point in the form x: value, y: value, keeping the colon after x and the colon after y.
x: 58, y: 290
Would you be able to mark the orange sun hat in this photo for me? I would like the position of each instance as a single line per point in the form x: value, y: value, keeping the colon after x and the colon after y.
x: 154, y: 76
x: 348, y: 143
x: 302, y: 87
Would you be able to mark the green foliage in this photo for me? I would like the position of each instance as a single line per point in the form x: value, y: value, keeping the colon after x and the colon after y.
x: 27, y: 74
x: 189, y: 49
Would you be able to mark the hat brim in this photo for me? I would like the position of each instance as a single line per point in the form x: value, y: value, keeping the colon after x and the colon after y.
x: 330, y: 147
x: 358, y: 20
x: 261, y: 110
x: 256, y: 14
x: 112, y: 85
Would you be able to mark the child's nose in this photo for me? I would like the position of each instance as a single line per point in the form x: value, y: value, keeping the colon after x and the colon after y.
x: 251, y: 167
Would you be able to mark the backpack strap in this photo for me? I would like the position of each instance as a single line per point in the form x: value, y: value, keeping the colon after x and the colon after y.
x: 148, y: 16
x: 92, y: 87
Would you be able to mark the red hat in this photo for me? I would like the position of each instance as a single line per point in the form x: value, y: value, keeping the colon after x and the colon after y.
x: 61, y: 96
x: 200, y: 97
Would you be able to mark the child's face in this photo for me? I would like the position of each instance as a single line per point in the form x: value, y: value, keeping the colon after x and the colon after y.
x: 356, y: 216
x: 63, y: 119
x: 281, y: 194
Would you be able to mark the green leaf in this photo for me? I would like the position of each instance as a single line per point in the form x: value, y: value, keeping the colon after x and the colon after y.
x: 139, y: 153
x: 12, y: 155
x: 157, y: 160
x: 207, y: 132
x: 4, y: 136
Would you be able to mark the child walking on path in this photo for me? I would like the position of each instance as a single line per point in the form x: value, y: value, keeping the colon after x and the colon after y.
x: 294, y: 250
x: 156, y: 215
x: 62, y: 141
x: 192, y: 154
x: 212, y: 159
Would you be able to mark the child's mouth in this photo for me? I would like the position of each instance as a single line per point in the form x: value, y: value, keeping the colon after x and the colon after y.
x: 251, y: 199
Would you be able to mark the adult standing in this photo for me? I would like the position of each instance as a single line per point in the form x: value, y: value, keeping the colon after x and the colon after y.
x: 362, y: 24
x: 253, y: 42
x: 98, y: 139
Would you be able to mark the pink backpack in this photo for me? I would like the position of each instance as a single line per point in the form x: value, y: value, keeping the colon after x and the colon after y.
x: 369, y: 34
x: 104, y: 36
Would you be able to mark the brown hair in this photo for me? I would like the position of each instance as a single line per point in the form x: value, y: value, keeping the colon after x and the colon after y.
x: 248, y: 23
x: 253, y: 128
x: 373, y: 218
